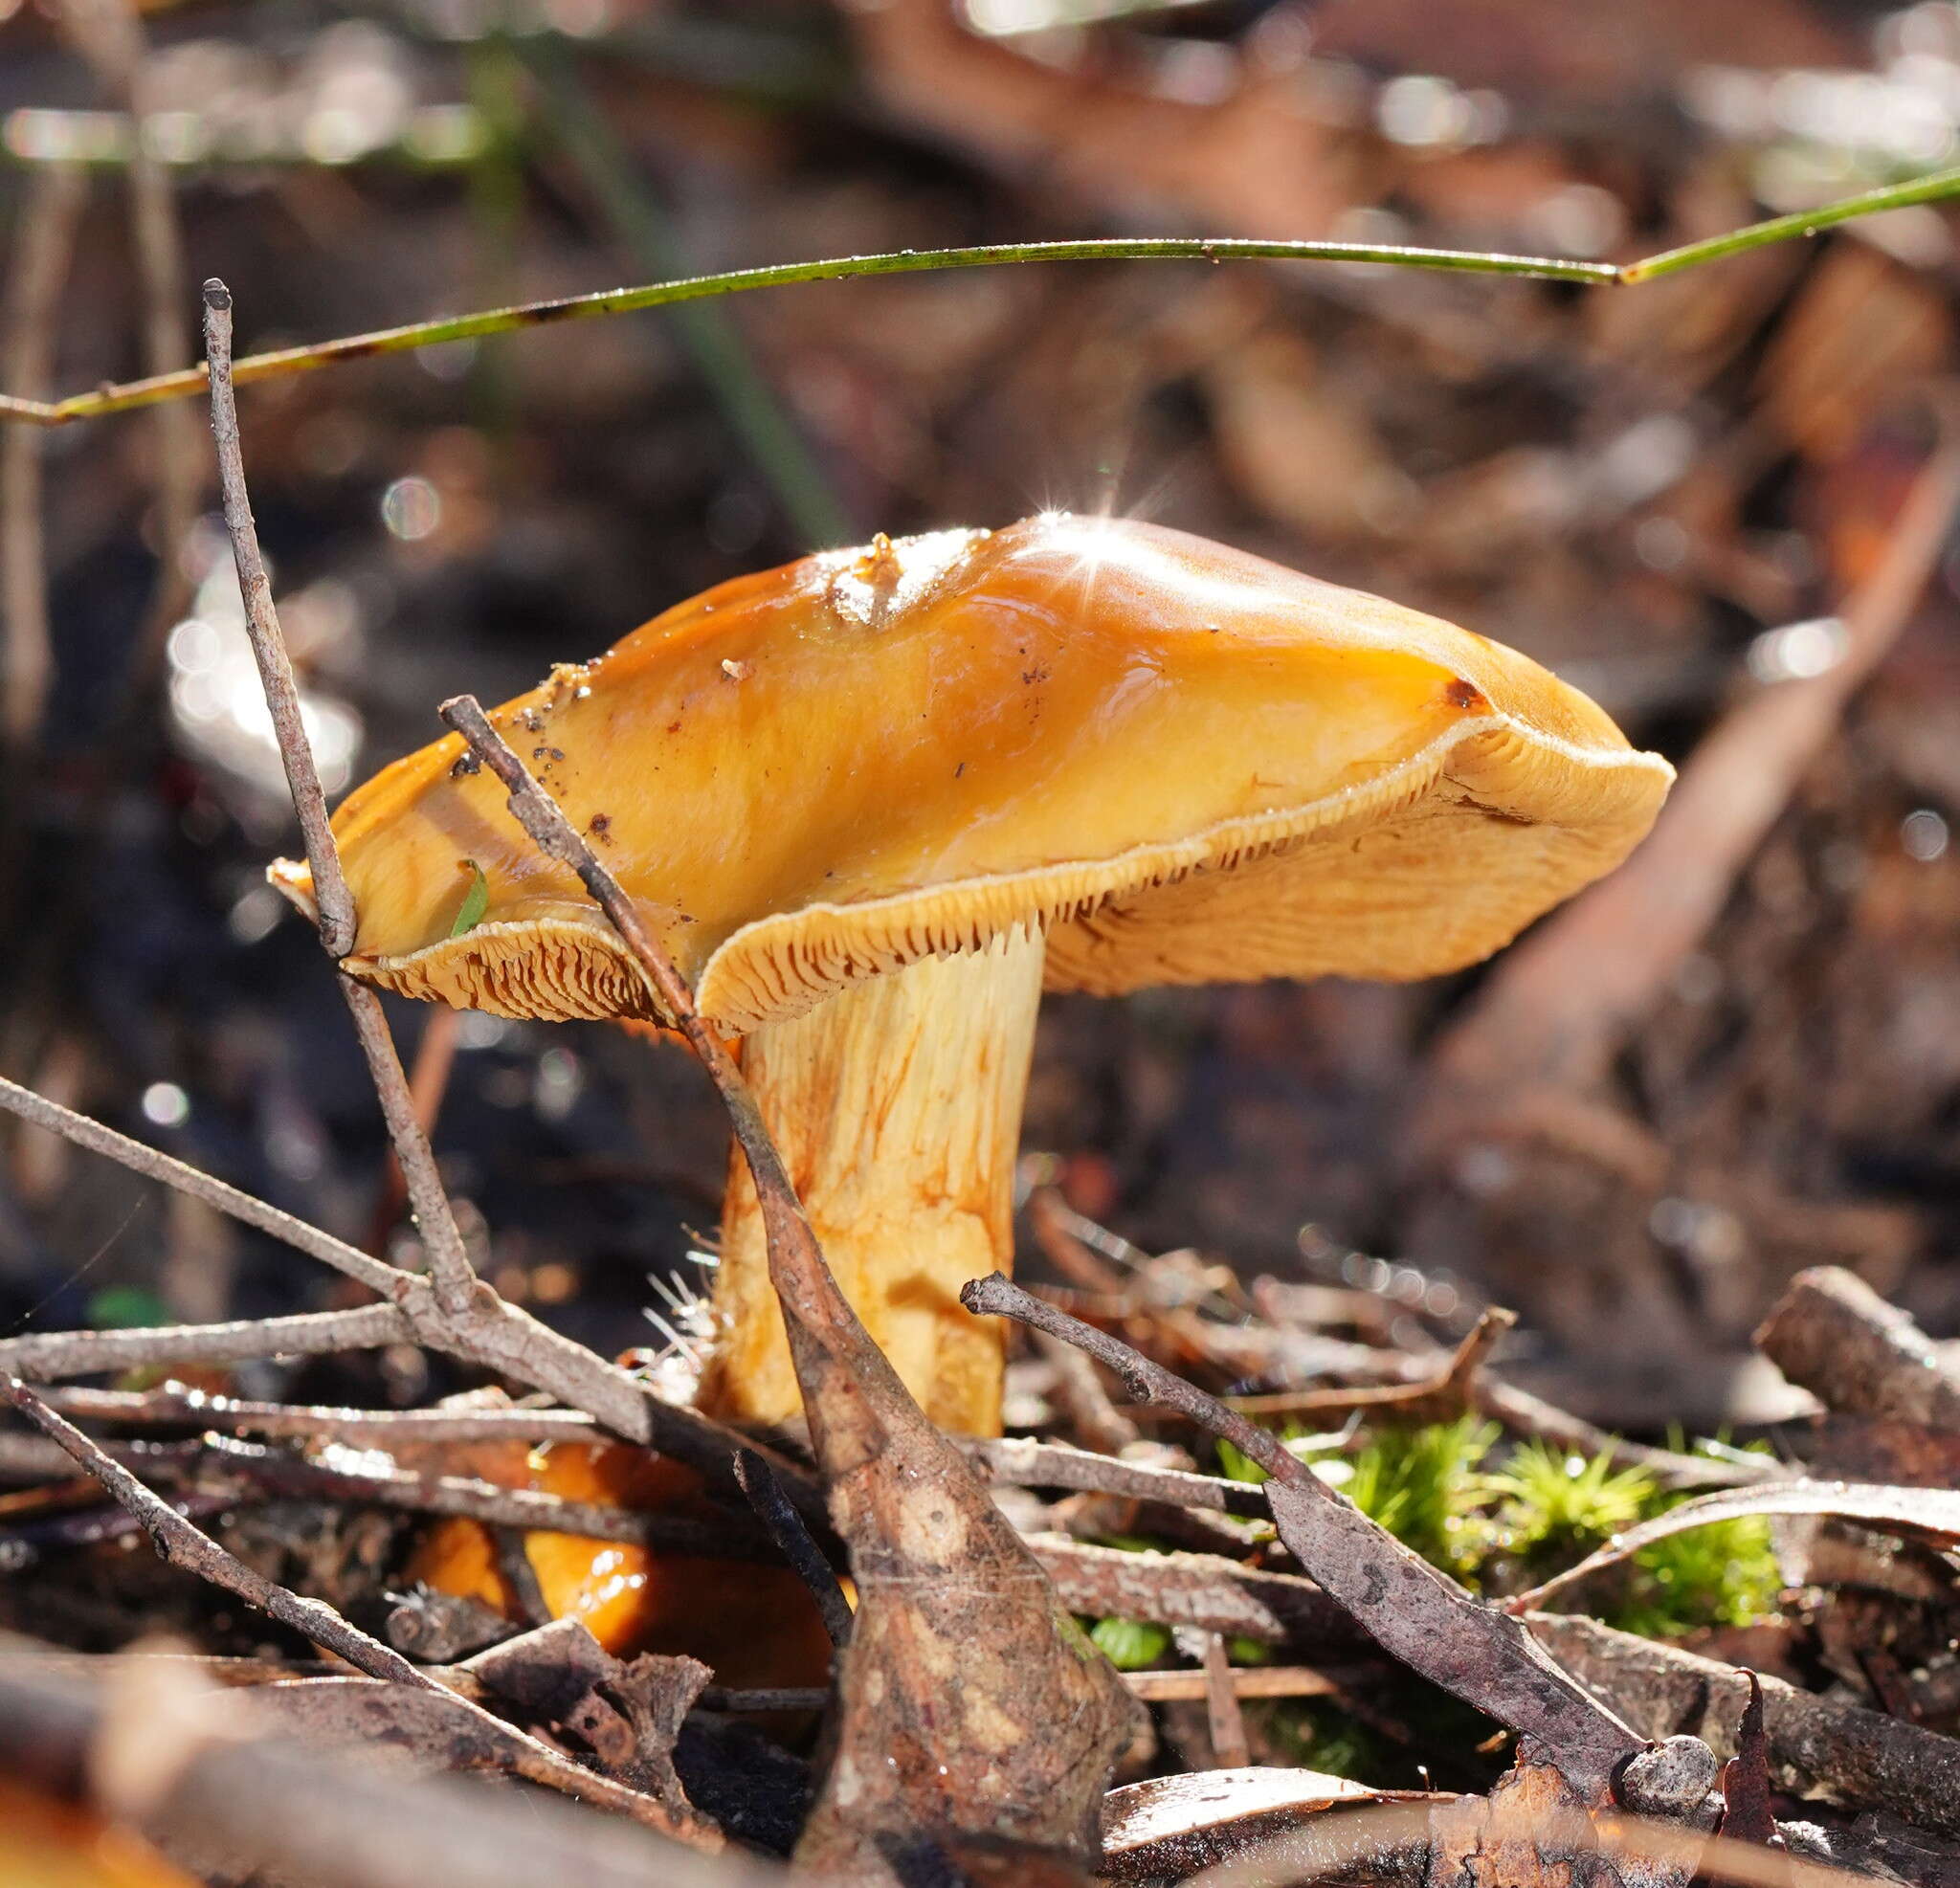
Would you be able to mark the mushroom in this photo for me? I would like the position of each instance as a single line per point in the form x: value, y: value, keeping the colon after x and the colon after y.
x: 877, y: 801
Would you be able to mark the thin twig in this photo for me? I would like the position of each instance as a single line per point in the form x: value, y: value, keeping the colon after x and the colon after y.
x: 330, y: 894
x: 449, y: 1270
x: 487, y: 1332
x: 182, y: 1544
x: 174, y: 1406
x: 545, y: 821
x: 242, y: 1206
x: 1242, y: 1681
x: 109, y: 35
x: 1024, y: 1463
x: 275, y: 1472
x: 787, y: 1529
x: 429, y: 1076
x: 1151, y: 1687
x: 1412, y: 1610
x: 449, y: 1261
x: 222, y: 1469
x: 189, y: 1548
x: 308, y: 1334
x: 1223, y: 1717
x: 997, y: 1296
x: 1438, y: 1398
x: 48, y: 218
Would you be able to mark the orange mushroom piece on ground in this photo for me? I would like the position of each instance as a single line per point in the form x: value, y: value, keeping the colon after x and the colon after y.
x: 874, y: 802
x: 754, y: 1625
x: 46, y: 1843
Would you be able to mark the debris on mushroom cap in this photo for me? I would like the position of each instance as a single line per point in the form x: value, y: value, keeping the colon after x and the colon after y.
x: 1185, y: 763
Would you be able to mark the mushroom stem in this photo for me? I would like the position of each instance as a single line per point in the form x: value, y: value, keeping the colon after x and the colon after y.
x: 897, y: 1107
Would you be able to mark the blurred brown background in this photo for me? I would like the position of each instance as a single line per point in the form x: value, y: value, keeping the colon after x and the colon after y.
x: 1694, y: 500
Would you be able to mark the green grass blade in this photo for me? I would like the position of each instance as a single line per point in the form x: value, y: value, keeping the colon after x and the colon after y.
x: 131, y: 395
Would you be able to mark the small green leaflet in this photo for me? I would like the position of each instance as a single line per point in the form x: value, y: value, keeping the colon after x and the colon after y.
x: 476, y: 901
x: 1131, y: 1645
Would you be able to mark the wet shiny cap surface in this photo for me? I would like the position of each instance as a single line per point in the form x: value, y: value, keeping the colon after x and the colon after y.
x: 1183, y: 762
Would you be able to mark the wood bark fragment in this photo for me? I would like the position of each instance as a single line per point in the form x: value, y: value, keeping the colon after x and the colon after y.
x: 1831, y: 1334
x: 794, y: 1541
x: 266, y: 1804
x: 1746, y: 1814
x: 1530, y: 1832
x: 1818, y: 1747
x: 1203, y: 1590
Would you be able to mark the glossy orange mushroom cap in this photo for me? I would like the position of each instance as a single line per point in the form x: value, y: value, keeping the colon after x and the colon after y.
x: 1181, y: 762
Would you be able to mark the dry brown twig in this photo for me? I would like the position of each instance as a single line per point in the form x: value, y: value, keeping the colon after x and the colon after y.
x: 1226, y: 1721
x: 55, y: 197
x: 951, y: 1604
x: 1440, y: 1398
x: 217, y: 1473
x: 449, y: 1264
x: 184, y: 1545
x: 1464, y: 1384
x: 489, y: 1333
x: 1023, y: 1462
x: 318, y: 1821
x: 428, y: 1083
x: 250, y: 1468
x: 796, y: 1543
x: 1831, y: 1334
x: 109, y: 35
x: 1557, y: 1006
x: 305, y: 1334
x: 450, y: 1310
x: 457, y: 1421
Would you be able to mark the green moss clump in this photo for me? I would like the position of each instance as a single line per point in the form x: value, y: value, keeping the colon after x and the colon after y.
x: 1553, y: 1506
x: 1539, y: 1511
x: 1421, y: 1484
